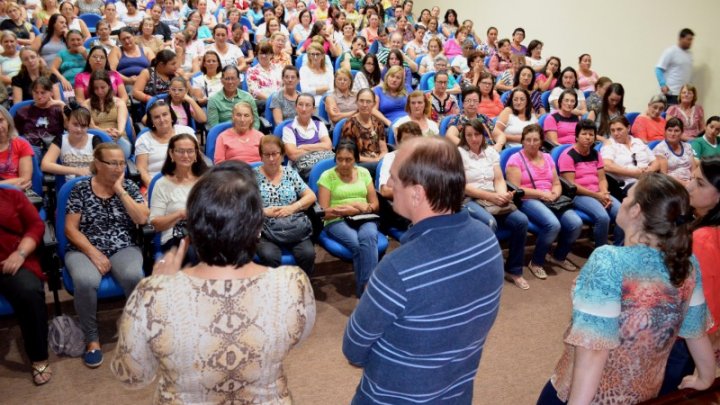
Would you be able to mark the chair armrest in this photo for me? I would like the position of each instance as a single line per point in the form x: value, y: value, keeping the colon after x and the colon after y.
x: 568, y: 189
x: 34, y: 198
x: 133, y: 173
x: 547, y: 146
x: 265, y: 126
x: 318, y: 210
x: 616, y: 186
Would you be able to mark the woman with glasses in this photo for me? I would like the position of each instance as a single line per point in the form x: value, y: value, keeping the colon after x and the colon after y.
x: 264, y: 78
x: 516, y: 116
x: 100, y: 222
x: 98, y: 61
x: 315, y: 76
x: 182, y: 168
x: 650, y: 125
x: 470, y: 97
x: 490, y: 103
x: 676, y: 156
x: 284, y: 194
x: 442, y: 103
x: 185, y: 107
x: 151, y: 147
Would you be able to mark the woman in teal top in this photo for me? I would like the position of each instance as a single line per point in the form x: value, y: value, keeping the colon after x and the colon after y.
x: 347, y: 190
x: 71, y: 61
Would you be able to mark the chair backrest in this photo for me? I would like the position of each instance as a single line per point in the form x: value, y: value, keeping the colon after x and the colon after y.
x: 545, y: 97
x: 157, y: 238
x: 88, y: 42
x: 390, y: 135
x: 486, y: 61
x: 374, y: 47
x: 653, y: 144
x: 506, y: 154
x: 338, y: 63
x: 354, y: 72
x: 419, y: 59
x: 101, y: 134
x: 212, y: 139
x: 62, y: 200
x: 322, y: 109
x: 631, y: 116
x: 246, y: 23
x: 377, y: 173
x: 444, y: 124
x: 299, y: 61
x: 541, y: 121
x: 317, y: 171
x: 424, y: 81
x: 504, y: 97
x: 587, y: 93
x: 556, y: 152
x: 268, y: 111
x: 17, y: 106
x: 278, y: 131
x: 154, y: 99
x: 90, y: 20
x: 337, y: 132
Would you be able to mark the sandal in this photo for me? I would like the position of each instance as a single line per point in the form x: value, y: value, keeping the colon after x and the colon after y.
x: 41, y: 373
x: 519, y: 282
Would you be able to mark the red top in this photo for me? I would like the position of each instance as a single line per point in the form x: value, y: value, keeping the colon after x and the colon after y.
x: 705, y: 248
x: 18, y: 219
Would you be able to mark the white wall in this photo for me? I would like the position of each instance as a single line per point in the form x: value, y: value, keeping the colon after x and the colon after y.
x: 624, y: 37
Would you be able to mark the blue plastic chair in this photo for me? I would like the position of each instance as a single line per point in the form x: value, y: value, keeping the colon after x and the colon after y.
x: 541, y: 121
x: 17, y: 106
x: 587, y: 93
x: 299, y: 61
x: 36, y: 30
x: 424, y: 81
x: 88, y: 42
x: 156, y: 241
x: 90, y: 20
x: 154, y: 99
x: 337, y: 133
x: 555, y: 154
x: 268, y: 111
x: 444, y: 124
x: 322, y: 109
x: 545, y: 97
x: 354, y: 72
x: 5, y: 307
x: 212, y: 138
x: 390, y: 135
x: 653, y: 144
x: 333, y: 246
x: 109, y: 288
x: 486, y: 61
x: 278, y: 131
x: 504, y: 97
x: 631, y: 116
x: 374, y: 47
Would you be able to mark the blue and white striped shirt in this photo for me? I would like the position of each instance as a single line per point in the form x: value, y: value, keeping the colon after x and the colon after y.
x: 421, y: 325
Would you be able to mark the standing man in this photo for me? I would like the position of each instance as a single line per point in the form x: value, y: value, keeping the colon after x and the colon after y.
x: 420, y: 327
x: 674, y: 68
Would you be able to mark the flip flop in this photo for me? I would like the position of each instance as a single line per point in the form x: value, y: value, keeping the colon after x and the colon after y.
x: 519, y: 282
x: 41, y: 374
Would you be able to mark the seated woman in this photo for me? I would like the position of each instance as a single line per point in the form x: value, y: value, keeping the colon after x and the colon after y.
x: 475, y: 68
x: 22, y: 280
x: 689, y: 112
x: 185, y: 107
x: 442, y: 64
x: 284, y: 195
x: 488, y: 199
x: 516, y: 116
x: 505, y: 82
x: 151, y: 147
x: 102, y: 31
x: 226, y: 243
x: 676, y: 157
x: 133, y: 58
x: 264, y: 78
x: 549, y: 77
x: 230, y: 55
x: 470, y: 99
x: 315, y: 76
x: 283, y: 101
x: 583, y: 166
x: 43, y: 119
x: 612, y: 323
x: 534, y: 172
x: 71, y: 153
x: 98, y: 61
x: 69, y: 62
x: 108, y: 113
x: 586, y: 76
x: 208, y: 83
x: 52, y: 41
x: 706, y: 144
x: 101, y: 216
x: 613, y: 105
x: 650, y: 125
x: 418, y: 110
x: 110, y: 15
x: 490, y: 104
x: 391, y: 97
x: 367, y: 132
x: 442, y: 103
x: 500, y: 60
x: 525, y: 79
x: 155, y: 80
x: 305, y: 139
x: 625, y: 156
x: 31, y: 69
x: 595, y: 99
x: 16, y: 154
x: 395, y: 58
x: 416, y: 48
x: 241, y: 141
x: 427, y: 63
x: 568, y: 81
x: 369, y: 75
x: 559, y: 126
x: 182, y: 169
x: 146, y: 37
x: 352, y: 59
x: 344, y: 191
x: 17, y: 24
x: 341, y: 102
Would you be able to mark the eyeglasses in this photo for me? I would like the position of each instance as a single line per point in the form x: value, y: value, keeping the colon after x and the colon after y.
x: 634, y: 159
x: 98, y: 57
x: 230, y: 79
x: 115, y: 165
x: 486, y: 83
x: 188, y: 152
x: 271, y: 154
x: 314, y: 55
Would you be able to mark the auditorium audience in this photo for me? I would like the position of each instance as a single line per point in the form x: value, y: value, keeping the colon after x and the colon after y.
x: 650, y: 125
x: 689, y: 112
x: 675, y: 155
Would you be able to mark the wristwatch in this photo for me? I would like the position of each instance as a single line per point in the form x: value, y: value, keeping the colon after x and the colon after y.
x: 22, y: 253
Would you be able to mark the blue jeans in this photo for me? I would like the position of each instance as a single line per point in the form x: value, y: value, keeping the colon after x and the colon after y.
x: 362, y: 242
x: 601, y: 218
x: 565, y: 229
x: 516, y: 222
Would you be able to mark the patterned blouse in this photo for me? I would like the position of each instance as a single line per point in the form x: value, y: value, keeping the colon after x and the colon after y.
x: 262, y: 81
x: 287, y: 192
x: 459, y: 121
x: 442, y: 108
x: 104, y: 222
x: 214, y: 341
x: 623, y: 302
x: 367, y: 140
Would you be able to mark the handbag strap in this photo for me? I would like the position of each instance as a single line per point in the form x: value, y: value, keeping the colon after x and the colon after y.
x: 528, y: 170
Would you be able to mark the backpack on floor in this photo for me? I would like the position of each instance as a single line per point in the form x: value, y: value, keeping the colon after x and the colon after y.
x: 65, y: 336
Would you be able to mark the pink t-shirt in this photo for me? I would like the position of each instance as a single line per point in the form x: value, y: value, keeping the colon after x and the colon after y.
x: 543, y: 176
x: 182, y: 117
x: 82, y: 82
x: 452, y: 48
x: 585, y: 167
x: 564, y: 126
x: 231, y: 146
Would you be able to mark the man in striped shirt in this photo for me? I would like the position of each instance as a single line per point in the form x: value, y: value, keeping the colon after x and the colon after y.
x: 420, y: 327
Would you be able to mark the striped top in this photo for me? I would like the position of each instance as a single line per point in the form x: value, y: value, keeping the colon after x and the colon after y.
x: 420, y: 327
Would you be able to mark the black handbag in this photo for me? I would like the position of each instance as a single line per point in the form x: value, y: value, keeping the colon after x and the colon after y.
x: 355, y: 221
x: 562, y: 204
x: 287, y: 230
